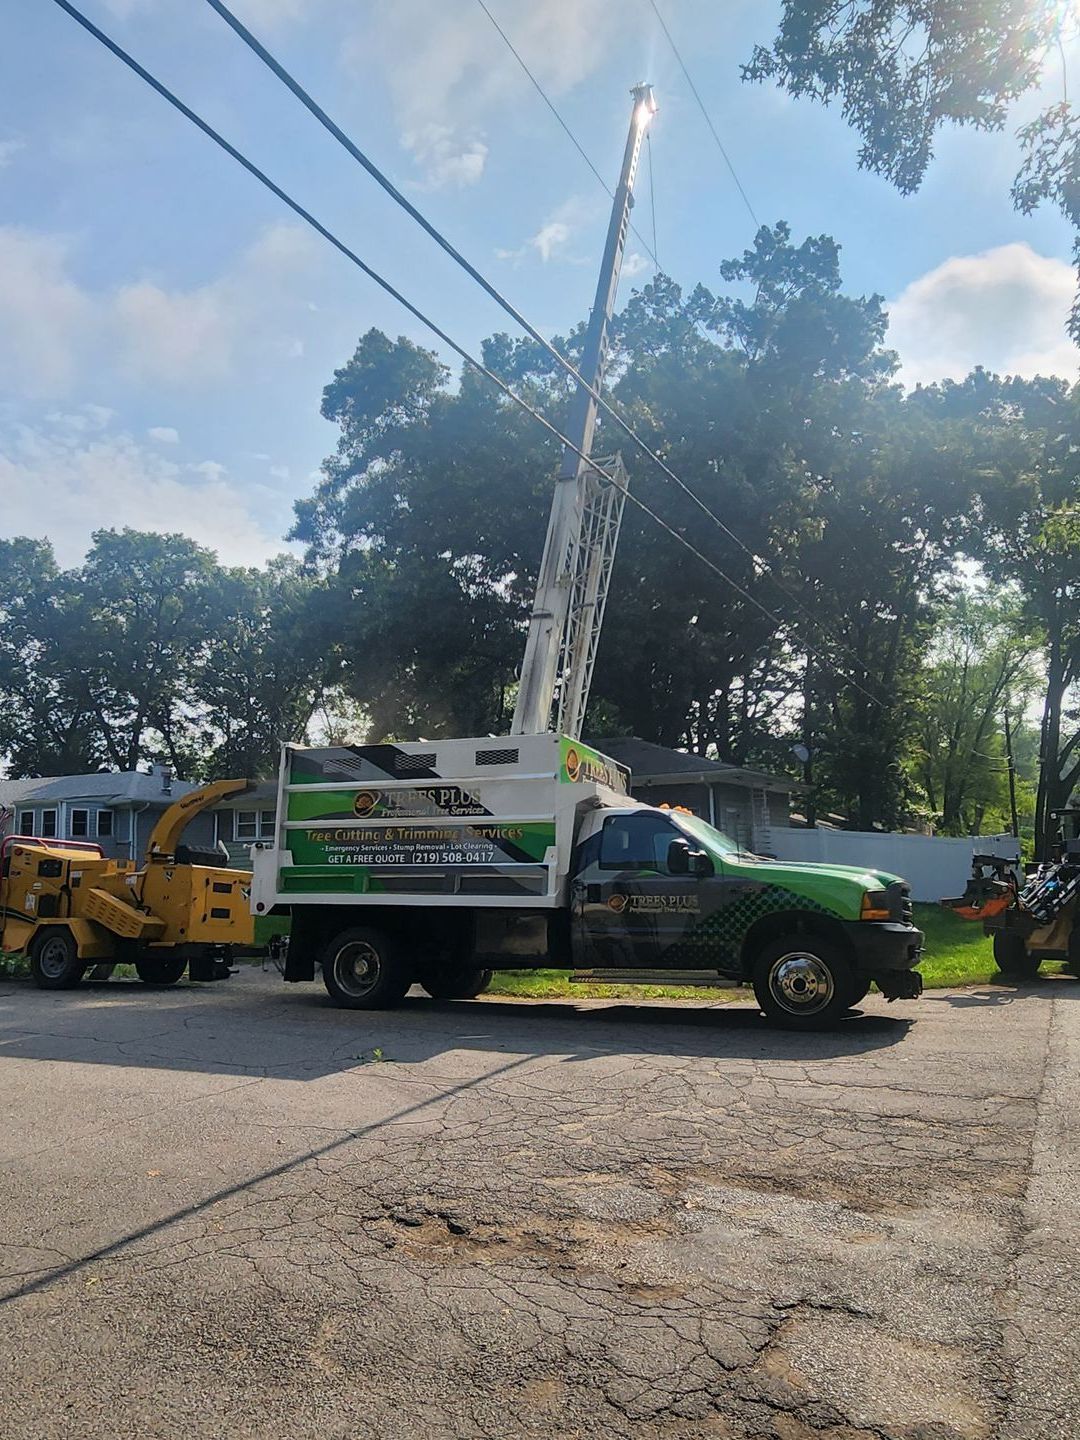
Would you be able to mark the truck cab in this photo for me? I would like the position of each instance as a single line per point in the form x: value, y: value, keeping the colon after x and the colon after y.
x: 661, y: 893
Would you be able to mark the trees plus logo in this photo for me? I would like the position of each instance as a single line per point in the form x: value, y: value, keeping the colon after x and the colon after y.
x: 365, y: 802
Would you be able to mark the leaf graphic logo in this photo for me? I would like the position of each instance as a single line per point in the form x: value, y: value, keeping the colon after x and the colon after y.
x: 365, y: 802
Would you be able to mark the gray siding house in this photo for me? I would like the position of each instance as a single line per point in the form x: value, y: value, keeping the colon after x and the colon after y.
x: 747, y: 805
x: 115, y: 809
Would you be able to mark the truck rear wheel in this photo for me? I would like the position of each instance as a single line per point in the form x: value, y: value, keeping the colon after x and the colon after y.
x: 160, y: 969
x: 803, y: 982
x: 1012, y: 958
x: 362, y: 970
x: 54, y: 960
x: 456, y: 984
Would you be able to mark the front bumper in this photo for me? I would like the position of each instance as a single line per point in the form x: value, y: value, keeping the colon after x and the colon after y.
x: 884, y: 946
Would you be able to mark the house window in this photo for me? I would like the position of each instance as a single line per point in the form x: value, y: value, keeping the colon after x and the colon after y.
x: 26, y: 822
x: 253, y: 824
x: 48, y: 825
x: 80, y: 824
x: 104, y: 824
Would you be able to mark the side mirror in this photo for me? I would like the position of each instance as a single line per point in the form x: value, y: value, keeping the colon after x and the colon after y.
x: 700, y: 864
x: 678, y: 858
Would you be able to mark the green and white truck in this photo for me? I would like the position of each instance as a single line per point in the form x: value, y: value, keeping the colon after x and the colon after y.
x: 436, y: 863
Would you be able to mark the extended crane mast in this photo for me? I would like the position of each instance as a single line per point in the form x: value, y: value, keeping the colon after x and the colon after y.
x: 583, y: 528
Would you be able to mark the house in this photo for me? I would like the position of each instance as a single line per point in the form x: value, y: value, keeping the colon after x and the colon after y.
x: 242, y: 820
x: 747, y: 805
x: 115, y: 809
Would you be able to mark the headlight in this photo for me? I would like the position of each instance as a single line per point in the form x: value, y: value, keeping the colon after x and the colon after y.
x: 875, y: 905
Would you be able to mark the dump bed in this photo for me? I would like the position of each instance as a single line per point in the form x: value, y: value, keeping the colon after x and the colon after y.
x: 476, y: 822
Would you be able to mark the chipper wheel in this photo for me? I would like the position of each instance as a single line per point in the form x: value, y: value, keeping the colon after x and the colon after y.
x: 159, y: 969
x: 54, y: 960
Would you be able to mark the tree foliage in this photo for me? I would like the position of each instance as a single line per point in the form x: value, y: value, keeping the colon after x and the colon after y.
x: 902, y: 69
x: 150, y: 651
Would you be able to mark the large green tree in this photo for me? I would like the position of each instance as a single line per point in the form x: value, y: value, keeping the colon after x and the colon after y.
x: 774, y: 403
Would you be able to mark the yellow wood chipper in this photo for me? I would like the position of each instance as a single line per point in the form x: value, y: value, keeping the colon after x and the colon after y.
x: 70, y: 909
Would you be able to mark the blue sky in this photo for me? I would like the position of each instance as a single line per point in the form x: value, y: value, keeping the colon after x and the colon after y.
x: 166, y: 328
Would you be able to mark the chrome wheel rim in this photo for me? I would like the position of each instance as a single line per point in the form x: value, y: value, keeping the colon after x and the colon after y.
x: 357, y: 968
x: 53, y: 958
x: 801, y: 984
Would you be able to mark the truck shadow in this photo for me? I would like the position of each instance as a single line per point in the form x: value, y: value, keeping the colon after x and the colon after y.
x: 253, y: 1026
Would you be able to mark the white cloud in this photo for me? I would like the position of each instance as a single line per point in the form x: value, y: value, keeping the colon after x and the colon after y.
x: 109, y: 479
x: 8, y: 150
x: 551, y: 240
x: 446, y: 158
x: 458, y: 69
x: 164, y: 434
x: 44, y: 317
x: 1004, y: 309
x: 144, y: 332
x: 633, y: 264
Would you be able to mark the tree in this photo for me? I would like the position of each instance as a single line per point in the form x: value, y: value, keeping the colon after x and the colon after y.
x: 979, y: 667
x: 902, y: 69
x: 272, y: 662
x: 1020, y: 441
x: 135, y: 615
x: 775, y: 405
x: 46, y: 727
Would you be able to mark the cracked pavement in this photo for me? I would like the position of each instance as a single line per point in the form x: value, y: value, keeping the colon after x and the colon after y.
x: 234, y: 1210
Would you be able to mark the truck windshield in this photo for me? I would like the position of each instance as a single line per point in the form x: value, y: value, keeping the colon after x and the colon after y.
x: 703, y: 834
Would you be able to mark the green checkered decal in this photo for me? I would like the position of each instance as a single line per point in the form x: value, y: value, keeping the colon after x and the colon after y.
x: 720, y: 934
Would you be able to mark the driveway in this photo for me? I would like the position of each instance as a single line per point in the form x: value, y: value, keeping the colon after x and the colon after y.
x: 232, y: 1210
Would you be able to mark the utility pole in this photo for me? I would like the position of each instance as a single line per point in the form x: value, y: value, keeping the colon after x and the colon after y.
x: 1012, y: 775
x: 565, y: 559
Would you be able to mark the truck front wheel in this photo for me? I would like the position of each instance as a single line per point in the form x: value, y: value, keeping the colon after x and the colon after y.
x: 362, y: 970
x: 803, y: 982
x: 54, y: 960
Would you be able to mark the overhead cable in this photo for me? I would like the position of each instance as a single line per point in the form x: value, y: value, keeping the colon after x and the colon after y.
x: 477, y: 365
x: 565, y: 127
x: 708, y: 118
x: 312, y: 105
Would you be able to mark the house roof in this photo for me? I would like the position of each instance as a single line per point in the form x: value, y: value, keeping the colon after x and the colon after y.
x: 262, y: 796
x: 648, y: 763
x: 117, y: 787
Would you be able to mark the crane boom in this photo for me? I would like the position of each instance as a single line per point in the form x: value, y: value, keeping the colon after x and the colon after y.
x: 583, y: 526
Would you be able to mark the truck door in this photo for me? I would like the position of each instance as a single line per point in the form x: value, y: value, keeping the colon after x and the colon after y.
x: 631, y: 912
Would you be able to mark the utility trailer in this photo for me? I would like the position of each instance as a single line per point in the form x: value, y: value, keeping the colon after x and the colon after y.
x: 436, y: 863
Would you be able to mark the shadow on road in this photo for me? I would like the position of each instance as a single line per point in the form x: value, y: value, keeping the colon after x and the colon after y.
x: 251, y: 1025
x: 1006, y: 992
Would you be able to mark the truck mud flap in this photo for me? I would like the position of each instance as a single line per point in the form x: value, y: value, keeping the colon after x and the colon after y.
x: 900, y: 984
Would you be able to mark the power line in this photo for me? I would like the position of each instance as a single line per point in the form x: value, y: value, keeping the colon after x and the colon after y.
x: 436, y: 330
x: 705, y: 113
x: 565, y: 127
x: 489, y: 289
x: 652, y: 193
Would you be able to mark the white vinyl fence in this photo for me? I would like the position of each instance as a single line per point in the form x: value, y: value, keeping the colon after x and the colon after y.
x: 935, y: 866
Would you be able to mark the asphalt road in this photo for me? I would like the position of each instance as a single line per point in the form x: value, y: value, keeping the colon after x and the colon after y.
x: 233, y: 1210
